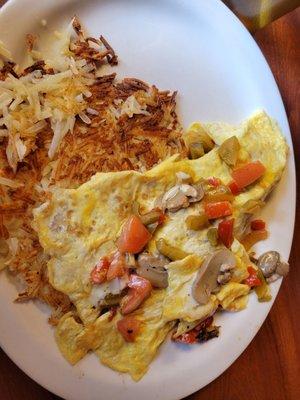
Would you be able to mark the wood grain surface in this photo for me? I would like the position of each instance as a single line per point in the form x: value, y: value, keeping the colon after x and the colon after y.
x: 270, y: 367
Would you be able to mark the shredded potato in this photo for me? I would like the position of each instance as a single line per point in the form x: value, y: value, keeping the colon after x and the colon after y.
x: 61, y: 121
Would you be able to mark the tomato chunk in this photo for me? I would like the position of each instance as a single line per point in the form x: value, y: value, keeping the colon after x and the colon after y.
x: 188, y: 337
x: 117, y: 266
x: 225, y: 232
x: 134, y: 236
x: 234, y: 188
x: 218, y: 209
x: 99, y: 273
x: 191, y: 336
x: 247, y: 174
x: 213, y: 181
x: 252, y: 279
x: 258, y: 225
x: 139, y: 290
x: 129, y: 327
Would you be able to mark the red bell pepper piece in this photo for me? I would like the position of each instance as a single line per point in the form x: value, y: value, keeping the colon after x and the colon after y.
x: 252, y: 279
x: 248, y: 173
x: 234, y: 188
x: 225, y: 232
x: 258, y: 225
x: 218, y: 209
x: 213, y: 181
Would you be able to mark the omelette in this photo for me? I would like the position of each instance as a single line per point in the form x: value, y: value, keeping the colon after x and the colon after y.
x: 141, y: 255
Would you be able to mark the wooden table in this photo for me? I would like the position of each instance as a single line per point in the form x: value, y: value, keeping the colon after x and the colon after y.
x: 270, y: 367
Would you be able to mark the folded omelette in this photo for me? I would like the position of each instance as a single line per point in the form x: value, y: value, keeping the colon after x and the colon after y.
x: 79, y: 227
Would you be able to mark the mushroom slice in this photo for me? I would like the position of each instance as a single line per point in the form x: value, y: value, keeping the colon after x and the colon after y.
x: 152, y: 268
x: 177, y: 202
x: 200, y: 193
x: 224, y: 278
x: 188, y: 190
x: 274, y: 277
x: 271, y: 266
x: 174, y: 199
x: 170, y: 193
x: 282, y: 268
x: 194, y: 193
x: 206, y: 280
x: 182, y: 177
x: 180, y: 196
x: 268, y: 262
x: 225, y: 273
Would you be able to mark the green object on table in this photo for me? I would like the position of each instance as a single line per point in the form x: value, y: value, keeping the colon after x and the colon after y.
x: 255, y: 14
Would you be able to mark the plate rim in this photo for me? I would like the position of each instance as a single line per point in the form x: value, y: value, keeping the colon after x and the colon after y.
x: 15, y: 4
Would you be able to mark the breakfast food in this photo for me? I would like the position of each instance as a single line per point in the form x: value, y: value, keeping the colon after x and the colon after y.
x: 136, y: 250
x: 62, y: 121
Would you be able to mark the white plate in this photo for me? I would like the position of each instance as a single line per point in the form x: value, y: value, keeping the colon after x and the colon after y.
x: 199, y: 48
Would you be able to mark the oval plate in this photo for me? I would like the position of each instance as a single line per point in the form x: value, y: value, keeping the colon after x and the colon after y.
x: 199, y: 48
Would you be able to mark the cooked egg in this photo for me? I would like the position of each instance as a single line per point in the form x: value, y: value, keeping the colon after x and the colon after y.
x: 79, y: 226
x: 75, y: 340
